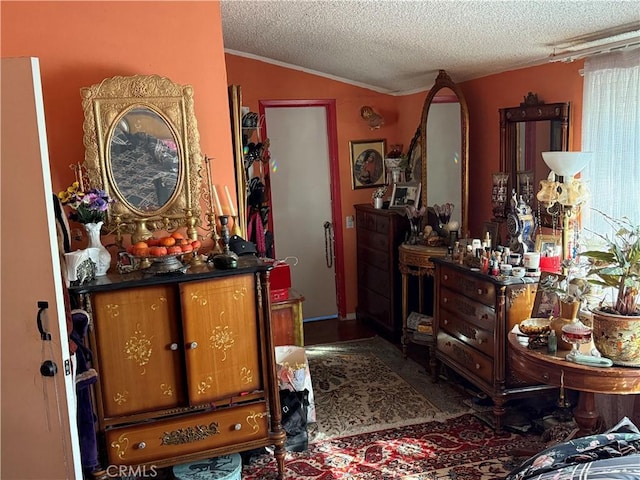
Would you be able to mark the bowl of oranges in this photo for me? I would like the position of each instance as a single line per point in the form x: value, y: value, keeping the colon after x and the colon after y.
x: 164, y: 254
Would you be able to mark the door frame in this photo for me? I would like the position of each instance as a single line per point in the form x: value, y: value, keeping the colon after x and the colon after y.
x: 329, y: 106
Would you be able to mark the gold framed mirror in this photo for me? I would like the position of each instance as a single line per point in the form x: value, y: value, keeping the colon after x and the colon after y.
x: 142, y: 147
x: 444, y: 154
x: 235, y: 107
x: 525, y: 132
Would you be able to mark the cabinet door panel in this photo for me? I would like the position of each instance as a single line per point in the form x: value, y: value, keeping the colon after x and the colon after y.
x: 220, y: 326
x: 138, y: 369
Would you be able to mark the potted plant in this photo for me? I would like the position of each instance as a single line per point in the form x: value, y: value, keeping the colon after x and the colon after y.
x: 616, y: 326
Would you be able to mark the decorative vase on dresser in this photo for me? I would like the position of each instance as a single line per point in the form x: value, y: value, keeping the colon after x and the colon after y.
x: 104, y: 257
x: 379, y: 234
x: 186, y: 364
x: 474, y: 313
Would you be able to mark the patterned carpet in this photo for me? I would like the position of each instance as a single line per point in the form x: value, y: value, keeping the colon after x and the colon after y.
x: 380, y: 417
x: 366, y: 385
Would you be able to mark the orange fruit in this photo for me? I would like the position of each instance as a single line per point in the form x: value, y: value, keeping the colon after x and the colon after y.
x: 177, y: 235
x: 186, y: 248
x: 174, y: 249
x: 196, y: 244
x: 157, y: 251
x: 141, y: 251
x: 167, y: 241
x: 153, y: 242
x: 140, y: 245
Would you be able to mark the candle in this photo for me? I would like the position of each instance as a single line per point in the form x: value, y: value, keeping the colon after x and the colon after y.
x: 217, y: 199
x: 233, y: 210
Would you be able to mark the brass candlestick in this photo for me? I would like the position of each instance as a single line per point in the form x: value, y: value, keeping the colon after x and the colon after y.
x: 227, y: 259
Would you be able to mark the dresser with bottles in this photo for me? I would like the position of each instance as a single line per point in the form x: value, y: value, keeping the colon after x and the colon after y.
x: 473, y: 314
x: 185, y: 364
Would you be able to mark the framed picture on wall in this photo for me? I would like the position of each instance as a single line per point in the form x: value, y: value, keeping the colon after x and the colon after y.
x: 367, y: 163
x: 549, y: 245
x: 405, y: 194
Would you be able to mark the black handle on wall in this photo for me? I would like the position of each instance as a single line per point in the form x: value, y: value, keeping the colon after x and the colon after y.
x: 42, y: 306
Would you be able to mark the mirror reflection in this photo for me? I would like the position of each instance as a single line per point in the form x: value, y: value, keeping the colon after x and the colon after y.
x: 144, y: 159
x: 444, y: 130
x: 525, y: 132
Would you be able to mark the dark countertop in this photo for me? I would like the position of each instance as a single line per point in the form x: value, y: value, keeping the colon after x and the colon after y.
x: 138, y: 278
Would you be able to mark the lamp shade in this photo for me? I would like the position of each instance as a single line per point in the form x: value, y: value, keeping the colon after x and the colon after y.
x: 566, y: 164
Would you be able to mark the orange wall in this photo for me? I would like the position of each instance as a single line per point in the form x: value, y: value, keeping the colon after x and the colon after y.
x: 553, y: 82
x: 81, y: 43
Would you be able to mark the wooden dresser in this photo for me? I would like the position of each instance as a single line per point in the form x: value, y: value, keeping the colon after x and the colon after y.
x: 473, y: 315
x: 379, y: 234
x: 185, y: 364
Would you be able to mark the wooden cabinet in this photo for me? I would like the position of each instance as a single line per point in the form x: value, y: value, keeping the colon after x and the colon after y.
x: 287, y: 320
x: 185, y: 364
x: 379, y: 234
x: 473, y: 316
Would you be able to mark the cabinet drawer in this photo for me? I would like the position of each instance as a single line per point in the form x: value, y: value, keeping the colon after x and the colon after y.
x: 468, y: 320
x: 374, y: 240
x: 365, y: 221
x: 186, y: 435
x: 374, y: 276
x: 475, y: 288
x: 471, y: 360
x: 375, y: 307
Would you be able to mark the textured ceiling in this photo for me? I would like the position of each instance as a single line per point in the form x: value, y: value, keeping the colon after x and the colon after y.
x: 395, y: 46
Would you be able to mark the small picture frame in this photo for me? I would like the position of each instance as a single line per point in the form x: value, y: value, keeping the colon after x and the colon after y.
x: 405, y: 194
x: 493, y: 228
x: 367, y: 163
x: 546, y: 303
x: 549, y: 244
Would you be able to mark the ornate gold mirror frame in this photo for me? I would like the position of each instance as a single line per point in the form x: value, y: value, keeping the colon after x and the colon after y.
x: 443, y: 82
x: 142, y: 147
x: 235, y: 106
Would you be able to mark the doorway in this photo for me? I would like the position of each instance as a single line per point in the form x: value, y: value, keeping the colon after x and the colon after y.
x: 305, y: 200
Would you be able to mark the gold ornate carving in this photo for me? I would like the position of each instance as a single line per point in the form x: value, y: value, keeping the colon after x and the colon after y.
x: 252, y: 420
x: 121, y: 446
x: 190, y: 434
x: 239, y: 293
x: 167, y: 389
x: 514, y: 294
x: 138, y: 348
x: 222, y: 339
x: 105, y: 105
x: 198, y: 298
x: 154, y: 306
x: 205, y: 385
x: 246, y: 375
x: 121, y: 397
x: 113, y: 309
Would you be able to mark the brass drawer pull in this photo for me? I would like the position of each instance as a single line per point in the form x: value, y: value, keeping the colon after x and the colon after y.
x: 477, y: 366
x: 193, y: 345
x: 480, y: 340
x: 545, y: 376
x: 480, y: 291
x: 445, y: 321
x: 142, y: 445
x: 173, y: 346
x: 445, y: 276
x: 445, y: 300
x: 237, y: 426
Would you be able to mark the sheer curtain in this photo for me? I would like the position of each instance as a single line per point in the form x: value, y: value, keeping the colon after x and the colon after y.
x: 611, y: 129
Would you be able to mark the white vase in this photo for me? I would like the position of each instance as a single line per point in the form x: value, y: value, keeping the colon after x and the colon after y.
x: 104, y: 257
x: 378, y: 202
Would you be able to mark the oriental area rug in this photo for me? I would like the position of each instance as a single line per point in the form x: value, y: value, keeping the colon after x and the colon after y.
x: 379, y: 416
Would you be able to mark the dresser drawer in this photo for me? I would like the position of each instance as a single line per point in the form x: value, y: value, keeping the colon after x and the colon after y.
x: 144, y: 443
x: 374, y: 276
x: 481, y: 290
x: 468, y: 320
x: 374, y: 241
x: 470, y: 359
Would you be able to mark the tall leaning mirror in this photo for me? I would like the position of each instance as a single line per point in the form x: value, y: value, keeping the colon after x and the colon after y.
x: 142, y: 147
x: 235, y: 109
x: 525, y: 132
x: 444, y: 137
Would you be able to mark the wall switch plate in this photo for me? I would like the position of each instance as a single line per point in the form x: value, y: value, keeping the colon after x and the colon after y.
x: 349, y: 221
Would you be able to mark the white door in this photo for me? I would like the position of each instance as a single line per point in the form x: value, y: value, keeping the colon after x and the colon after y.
x: 301, y: 203
x: 39, y: 434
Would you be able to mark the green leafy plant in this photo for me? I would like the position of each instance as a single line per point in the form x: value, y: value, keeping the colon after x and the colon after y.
x: 618, y: 265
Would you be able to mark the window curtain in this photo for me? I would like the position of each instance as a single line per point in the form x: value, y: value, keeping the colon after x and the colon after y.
x: 611, y: 130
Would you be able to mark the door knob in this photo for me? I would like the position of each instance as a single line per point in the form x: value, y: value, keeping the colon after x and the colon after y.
x: 193, y: 345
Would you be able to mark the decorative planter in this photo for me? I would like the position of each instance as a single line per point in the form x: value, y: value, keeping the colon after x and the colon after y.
x: 378, y: 202
x: 617, y: 337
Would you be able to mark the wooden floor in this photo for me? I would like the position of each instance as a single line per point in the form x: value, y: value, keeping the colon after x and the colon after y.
x: 334, y: 330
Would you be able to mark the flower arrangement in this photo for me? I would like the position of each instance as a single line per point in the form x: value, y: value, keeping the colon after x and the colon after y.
x: 379, y: 192
x: 89, y: 206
